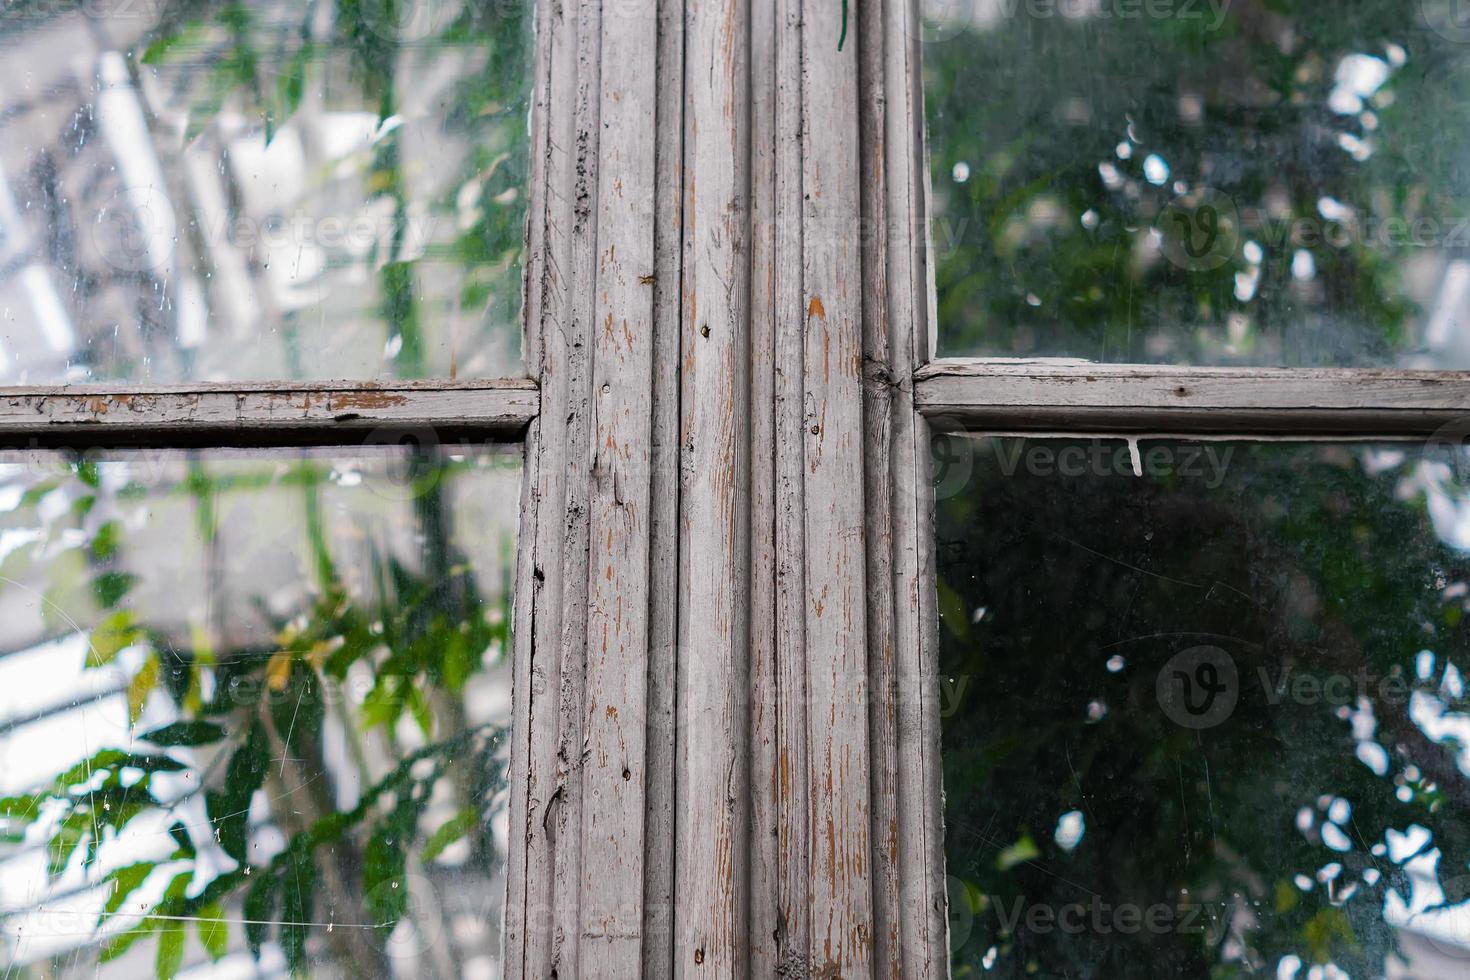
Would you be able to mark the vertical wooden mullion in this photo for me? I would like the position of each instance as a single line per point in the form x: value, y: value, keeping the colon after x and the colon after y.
x: 878, y: 409
x: 725, y: 735
x: 537, y: 623
x: 576, y: 333
x: 911, y: 317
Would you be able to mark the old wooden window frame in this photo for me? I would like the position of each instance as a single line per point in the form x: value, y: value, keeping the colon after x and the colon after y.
x: 725, y: 734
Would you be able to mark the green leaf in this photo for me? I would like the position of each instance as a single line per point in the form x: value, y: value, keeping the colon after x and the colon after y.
x: 213, y: 933
x: 113, y: 760
x: 1020, y: 852
x: 125, y: 881
x: 260, y: 908
x: 112, y: 586
x: 453, y: 829
x: 170, y: 950
x: 229, y: 808
x: 384, y: 703
x: 456, y: 662
x: 298, y: 893
x: 27, y: 808
x: 141, y: 684
x: 299, y: 709
x: 106, y: 541
x: 952, y: 613
x: 180, y: 834
x: 290, y: 86
x: 113, y: 635
x: 1325, y: 929
x: 187, y: 733
x: 75, y: 829
x: 123, y: 941
x: 418, y: 704
x: 155, y: 51
x: 383, y: 868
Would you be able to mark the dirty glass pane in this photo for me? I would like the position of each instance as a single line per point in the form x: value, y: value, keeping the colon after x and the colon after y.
x: 222, y: 191
x: 1202, y: 181
x: 253, y: 712
x: 1204, y: 709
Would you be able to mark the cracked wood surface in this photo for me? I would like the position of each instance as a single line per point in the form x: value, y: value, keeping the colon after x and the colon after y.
x: 723, y: 767
x: 275, y: 413
x: 1062, y: 395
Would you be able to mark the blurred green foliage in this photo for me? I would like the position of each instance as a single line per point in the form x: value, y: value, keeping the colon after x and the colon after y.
x: 244, y: 714
x: 1047, y: 136
x: 1263, y: 836
x: 269, y: 56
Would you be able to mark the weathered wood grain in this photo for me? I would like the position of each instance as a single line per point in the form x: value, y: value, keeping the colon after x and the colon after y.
x: 614, y: 770
x: 536, y: 908
x: 525, y: 884
x: 276, y: 413
x: 840, y: 893
x: 1056, y: 396
x: 923, y: 925
x: 766, y: 864
x: 711, y: 843
x: 725, y: 415
x: 792, y: 934
x: 878, y: 409
x: 668, y: 200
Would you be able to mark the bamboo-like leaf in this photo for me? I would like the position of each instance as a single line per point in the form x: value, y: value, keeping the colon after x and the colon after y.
x: 125, y: 881
x: 229, y: 807
x: 170, y: 950
x: 298, y: 899
x: 141, y: 684
x: 185, y: 733
x: 213, y: 933
x: 452, y: 830
x: 114, y: 634
x: 260, y: 908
